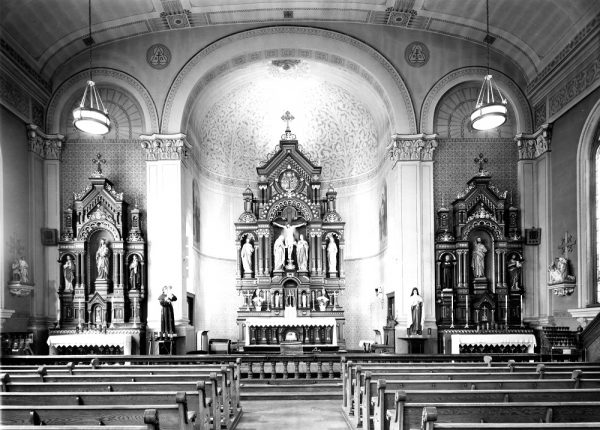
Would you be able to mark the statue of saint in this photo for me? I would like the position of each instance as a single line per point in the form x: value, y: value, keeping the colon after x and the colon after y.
x: 167, y: 320
x: 135, y: 279
x: 302, y: 254
x: 279, y: 253
x: 24, y: 270
x: 478, y: 260
x: 289, y: 232
x: 447, y: 272
x: 16, y: 272
x: 246, y: 256
x: 102, y: 260
x: 558, y: 272
x: 69, y: 273
x: 415, y: 302
x: 514, y: 269
x: 332, y: 250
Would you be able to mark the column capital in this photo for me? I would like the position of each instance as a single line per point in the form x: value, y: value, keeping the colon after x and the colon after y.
x: 47, y: 146
x: 165, y: 146
x: 531, y: 146
x: 412, y: 147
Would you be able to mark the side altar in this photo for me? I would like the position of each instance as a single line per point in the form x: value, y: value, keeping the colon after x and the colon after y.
x: 290, y: 259
x: 101, y: 297
x: 479, y: 264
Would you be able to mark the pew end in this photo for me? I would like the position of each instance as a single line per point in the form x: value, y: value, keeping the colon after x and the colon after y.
x: 429, y: 418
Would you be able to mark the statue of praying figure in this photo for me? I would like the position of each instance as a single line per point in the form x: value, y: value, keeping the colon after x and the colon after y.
x: 278, y: 253
x: 478, y: 260
x: 302, y: 254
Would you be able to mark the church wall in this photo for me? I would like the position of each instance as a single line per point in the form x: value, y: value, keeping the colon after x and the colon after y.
x: 565, y: 137
x: 16, y: 208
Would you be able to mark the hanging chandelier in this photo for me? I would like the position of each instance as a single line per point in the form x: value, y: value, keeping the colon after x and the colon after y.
x: 91, y: 116
x: 490, y: 110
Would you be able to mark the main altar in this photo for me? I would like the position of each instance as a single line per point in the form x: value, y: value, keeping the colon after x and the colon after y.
x: 290, y: 256
x: 479, y: 264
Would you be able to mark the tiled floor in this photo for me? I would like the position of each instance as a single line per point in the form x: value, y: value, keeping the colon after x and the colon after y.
x: 292, y: 415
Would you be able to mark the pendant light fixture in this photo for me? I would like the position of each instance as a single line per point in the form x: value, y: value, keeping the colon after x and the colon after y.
x: 91, y: 116
x: 490, y: 111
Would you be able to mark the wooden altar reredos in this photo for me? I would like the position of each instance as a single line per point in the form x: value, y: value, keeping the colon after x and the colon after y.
x: 292, y: 283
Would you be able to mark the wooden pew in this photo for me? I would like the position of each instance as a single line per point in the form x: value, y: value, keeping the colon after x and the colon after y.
x: 175, y: 416
x: 429, y: 422
x: 209, y: 394
x: 409, y: 415
x: 150, y: 423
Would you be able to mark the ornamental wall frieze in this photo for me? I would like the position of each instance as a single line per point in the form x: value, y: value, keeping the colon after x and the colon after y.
x: 47, y: 146
x: 414, y: 147
x: 90, y: 227
x: 165, y: 146
x: 576, y: 84
x: 531, y: 146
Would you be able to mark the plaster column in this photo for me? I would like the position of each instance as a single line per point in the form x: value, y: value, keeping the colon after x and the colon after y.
x: 267, y: 255
x: 312, y: 255
x: 257, y: 259
x: 412, y: 178
x: 341, y: 262
x: 165, y: 174
x: 44, y: 182
x: 534, y: 174
x: 320, y: 268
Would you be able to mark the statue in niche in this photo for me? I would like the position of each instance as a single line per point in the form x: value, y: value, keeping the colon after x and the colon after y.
x: 302, y: 254
x: 447, y: 272
x: 20, y: 270
x: 322, y: 300
x: 279, y: 253
x: 514, y: 267
x: 246, y: 256
x: 276, y: 300
x: 102, y: 260
x: 478, y: 259
x: 416, y: 312
x: 167, y: 316
x: 135, y: 279
x: 69, y: 273
x: 289, y: 233
x: 332, y: 251
x: 304, y: 299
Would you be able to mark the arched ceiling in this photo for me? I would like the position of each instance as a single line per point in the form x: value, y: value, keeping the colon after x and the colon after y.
x: 46, y: 34
x: 340, y: 121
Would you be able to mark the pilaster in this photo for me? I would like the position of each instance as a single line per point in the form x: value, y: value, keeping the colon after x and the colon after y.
x: 412, y: 174
x: 165, y: 174
x: 533, y: 175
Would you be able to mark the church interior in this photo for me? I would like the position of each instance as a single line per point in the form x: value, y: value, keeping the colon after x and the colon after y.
x: 291, y: 186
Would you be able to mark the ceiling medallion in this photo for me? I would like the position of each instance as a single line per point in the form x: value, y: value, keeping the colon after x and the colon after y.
x: 288, y: 68
x: 416, y: 54
x: 158, y: 56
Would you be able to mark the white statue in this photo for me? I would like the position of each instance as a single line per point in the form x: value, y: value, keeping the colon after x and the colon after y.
x: 289, y: 232
x: 322, y: 300
x: 24, y: 270
x: 102, y: 260
x: 302, y: 254
x: 415, y: 301
x: 279, y: 253
x: 478, y: 260
x: 69, y: 273
x: 558, y: 272
x: 332, y: 255
x: 246, y: 255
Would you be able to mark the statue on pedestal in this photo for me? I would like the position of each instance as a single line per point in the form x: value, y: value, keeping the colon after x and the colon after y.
x: 69, y: 273
x: 332, y: 250
x: 102, y: 260
x: 246, y: 256
x: 302, y: 254
x: 134, y: 273
x: 447, y: 272
x: 167, y: 316
x: 478, y: 260
x: 279, y: 253
x: 415, y: 302
x: 514, y: 269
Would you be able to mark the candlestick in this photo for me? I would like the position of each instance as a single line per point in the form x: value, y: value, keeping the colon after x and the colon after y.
x: 452, y: 311
x: 506, y: 311
x: 467, y: 315
x: 521, y: 312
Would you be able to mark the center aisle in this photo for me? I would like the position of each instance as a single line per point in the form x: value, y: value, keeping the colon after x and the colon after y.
x: 292, y: 414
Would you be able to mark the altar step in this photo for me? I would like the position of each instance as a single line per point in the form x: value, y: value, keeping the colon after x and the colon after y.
x: 291, y: 389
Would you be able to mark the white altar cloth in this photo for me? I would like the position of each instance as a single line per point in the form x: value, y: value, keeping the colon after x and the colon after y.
x: 291, y: 321
x: 91, y: 339
x: 492, y: 339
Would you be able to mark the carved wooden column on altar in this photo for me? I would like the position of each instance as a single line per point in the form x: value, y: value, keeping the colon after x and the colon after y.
x: 284, y: 289
x: 95, y: 253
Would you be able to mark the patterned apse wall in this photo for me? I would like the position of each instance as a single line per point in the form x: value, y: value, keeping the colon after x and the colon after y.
x: 459, y: 144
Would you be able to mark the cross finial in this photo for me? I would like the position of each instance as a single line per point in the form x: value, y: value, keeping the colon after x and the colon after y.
x: 287, y: 117
x: 481, y: 161
x: 566, y: 244
x: 98, y: 161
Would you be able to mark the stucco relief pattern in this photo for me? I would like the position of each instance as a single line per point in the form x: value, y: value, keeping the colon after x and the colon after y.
x: 340, y: 134
x: 574, y: 85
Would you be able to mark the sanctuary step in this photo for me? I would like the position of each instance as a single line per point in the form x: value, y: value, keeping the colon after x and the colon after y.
x: 311, y: 389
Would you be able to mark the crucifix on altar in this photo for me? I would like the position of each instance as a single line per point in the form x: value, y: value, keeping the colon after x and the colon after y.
x: 98, y: 161
x: 481, y: 160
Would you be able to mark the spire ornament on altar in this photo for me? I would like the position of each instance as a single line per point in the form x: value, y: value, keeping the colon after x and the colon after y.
x: 288, y: 135
x: 481, y: 160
